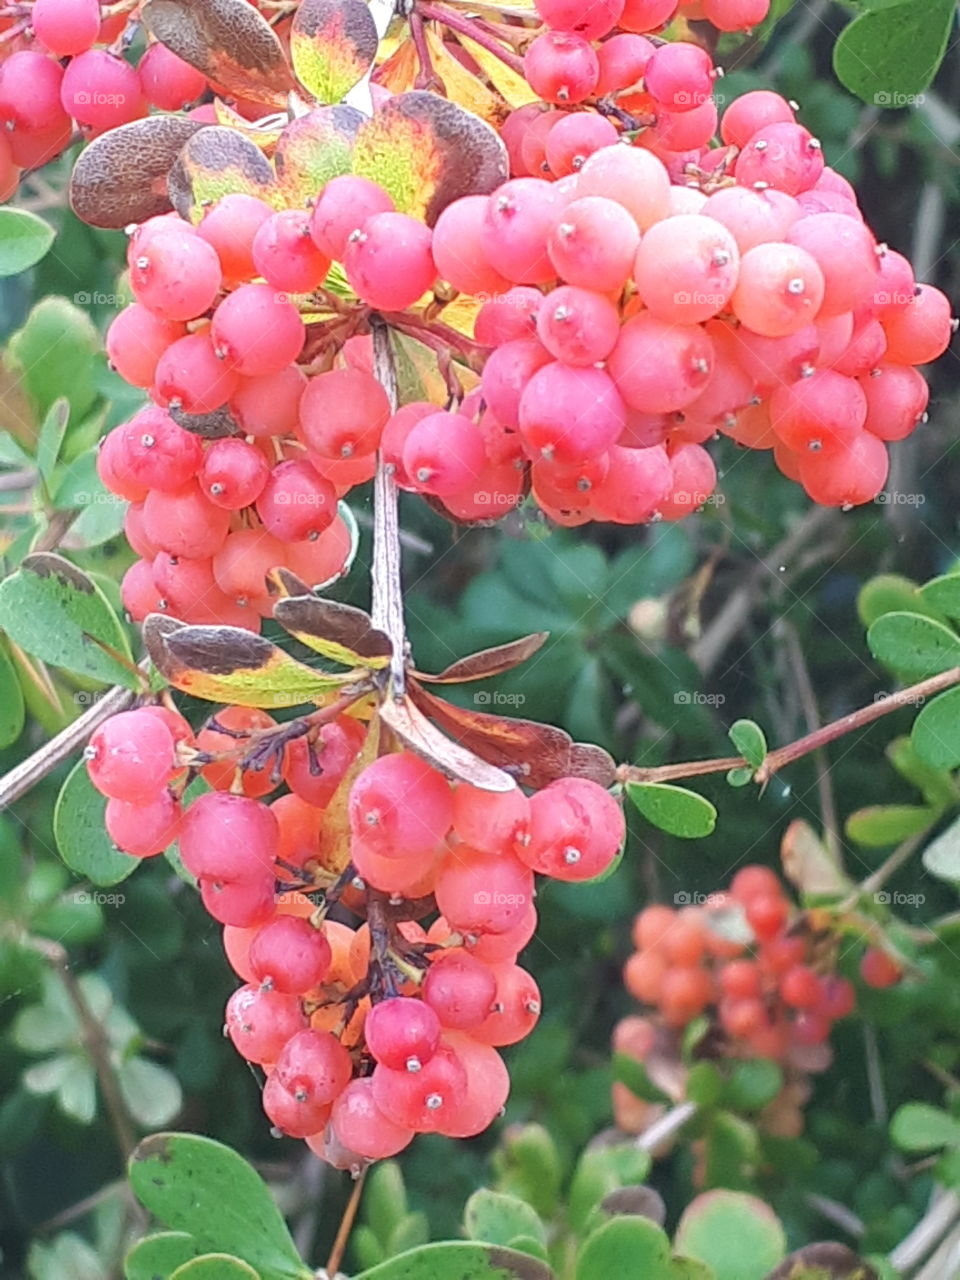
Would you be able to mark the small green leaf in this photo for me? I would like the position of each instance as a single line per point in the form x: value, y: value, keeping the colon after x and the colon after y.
x: 159, y: 1255
x: 943, y: 594
x: 914, y: 646
x: 196, y: 1185
x: 77, y: 1092
x: 152, y: 1094
x: 752, y: 1084
x: 58, y: 613
x: 891, y: 593
x: 628, y: 1071
x: 332, y: 46
x: 936, y: 731
x: 496, y: 1219
x: 12, y: 708
x: 24, y: 240
x: 916, y: 1126
x: 459, y: 1260
x: 55, y: 354
x: 41, y: 1029
x: 51, y: 435
x: 890, y: 56
x: 936, y: 785
x: 749, y: 739
x: 740, y: 777
x: 82, y: 840
x: 704, y: 1084
x: 600, y: 1171
x: 674, y: 809
x: 215, y: 1266
x: 67, y: 1257
x: 941, y: 857
x: 737, y: 1235
x: 881, y: 825
x: 629, y: 1248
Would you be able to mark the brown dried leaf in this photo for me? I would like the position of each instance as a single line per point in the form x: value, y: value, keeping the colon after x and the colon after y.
x: 122, y: 176
x: 488, y: 662
x: 216, y: 163
x: 228, y: 664
x: 823, y: 1262
x: 590, y: 761
x: 332, y: 45
x: 809, y: 864
x: 313, y: 149
x: 208, y: 426
x: 337, y: 631
x: 229, y: 41
x: 416, y: 732
x: 536, y: 754
x: 427, y: 151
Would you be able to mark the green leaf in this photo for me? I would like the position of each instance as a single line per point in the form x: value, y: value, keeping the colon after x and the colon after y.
x: 47, y: 1076
x: 152, y: 1094
x: 56, y: 351
x: 24, y: 240
x: 332, y: 46
x: 704, y: 1084
x: 58, y: 613
x: 914, y: 646
x: 215, y: 1266
x: 68, y: 1257
x: 51, y: 435
x: 41, y: 1029
x: 941, y: 857
x: 936, y: 731
x: 753, y: 1084
x: 891, y: 593
x: 740, y: 777
x: 495, y: 1218
x: 12, y: 709
x: 159, y: 1255
x: 82, y: 840
x: 77, y: 1092
x: 629, y: 1248
x: 749, y: 739
x: 385, y: 1199
x: 943, y: 594
x: 628, y: 1071
x: 916, y: 1126
x: 738, y: 1235
x: 881, y: 825
x: 890, y: 56
x: 674, y: 809
x: 936, y: 785
x: 600, y: 1171
x: 454, y: 1260
x: 196, y: 1185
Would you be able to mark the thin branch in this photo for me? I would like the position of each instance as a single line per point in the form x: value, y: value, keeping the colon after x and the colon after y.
x: 467, y: 27
x: 794, y: 751
x: 666, y: 1126
x: 926, y: 1235
x: 387, y: 602
x: 95, y: 1042
x: 838, y: 1214
x: 821, y: 761
x: 46, y: 758
x: 346, y: 1226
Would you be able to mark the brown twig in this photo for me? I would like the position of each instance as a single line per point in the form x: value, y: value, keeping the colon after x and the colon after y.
x: 346, y: 1226
x: 387, y: 599
x: 794, y: 751
x: 427, y: 77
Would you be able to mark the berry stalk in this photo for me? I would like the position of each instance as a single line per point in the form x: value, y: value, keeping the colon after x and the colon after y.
x: 387, y: 599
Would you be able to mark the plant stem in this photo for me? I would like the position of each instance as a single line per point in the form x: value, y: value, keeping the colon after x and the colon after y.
x: 667, y: 1126
x: 346, y: 1226
x: 95, y: 1042
x: 467, y: 27
x: 46, y: 758
x: 387, y: 600
x: 794, y: 751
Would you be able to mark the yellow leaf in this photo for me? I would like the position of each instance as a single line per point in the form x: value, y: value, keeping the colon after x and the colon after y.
x: 462, y: 85
x: 515, y: 90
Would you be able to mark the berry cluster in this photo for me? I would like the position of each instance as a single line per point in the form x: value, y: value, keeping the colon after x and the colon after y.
x: 668, y: 292
x: 758, y: 969
x: 62, y: 72
x: 367, y: 1035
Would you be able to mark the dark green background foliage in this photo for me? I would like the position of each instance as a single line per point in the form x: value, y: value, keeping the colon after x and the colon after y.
x: 630, y: 612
